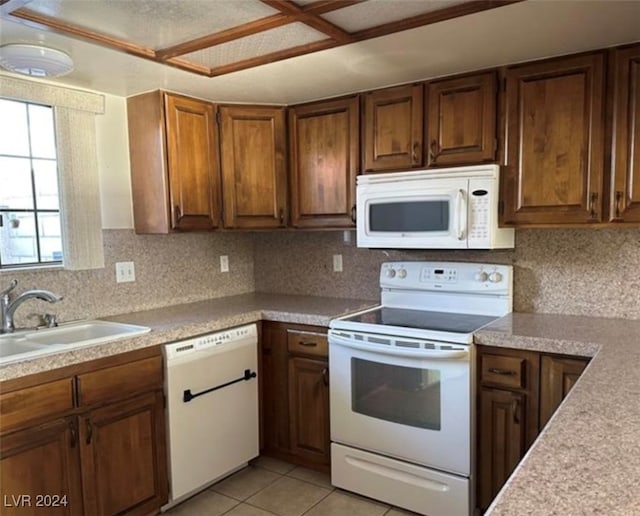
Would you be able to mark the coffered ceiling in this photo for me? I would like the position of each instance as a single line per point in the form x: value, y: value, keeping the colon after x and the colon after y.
x: 278, y: 51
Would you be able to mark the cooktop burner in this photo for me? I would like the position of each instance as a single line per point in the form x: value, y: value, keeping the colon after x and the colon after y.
x: 423, y: 320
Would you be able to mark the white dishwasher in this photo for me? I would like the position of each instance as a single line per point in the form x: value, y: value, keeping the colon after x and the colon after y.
x: 212, y: 408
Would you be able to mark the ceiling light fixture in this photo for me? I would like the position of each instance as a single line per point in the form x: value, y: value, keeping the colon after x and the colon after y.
x: 35, y: 60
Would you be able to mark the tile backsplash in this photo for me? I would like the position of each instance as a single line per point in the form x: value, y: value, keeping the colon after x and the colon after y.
x: 568, y: 271
x: 169, y: 269
x: 583, y: 272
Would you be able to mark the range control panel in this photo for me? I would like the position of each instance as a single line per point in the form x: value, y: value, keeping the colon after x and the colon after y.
x: 449, y: 276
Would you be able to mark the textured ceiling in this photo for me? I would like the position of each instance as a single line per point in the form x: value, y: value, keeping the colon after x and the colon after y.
x: 518, y: 32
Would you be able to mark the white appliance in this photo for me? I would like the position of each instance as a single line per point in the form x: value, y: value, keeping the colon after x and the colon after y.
x: 401, y: 384
x: 212, y: 408
x: 454, y: 208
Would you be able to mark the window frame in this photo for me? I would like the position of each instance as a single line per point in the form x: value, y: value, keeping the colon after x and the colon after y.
x: 34, y: 197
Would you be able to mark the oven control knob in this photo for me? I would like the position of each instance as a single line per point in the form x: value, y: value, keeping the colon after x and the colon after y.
x: 391, y: 273
x: 402, y: 273
x: 495, y: 277
x: 481, y: 276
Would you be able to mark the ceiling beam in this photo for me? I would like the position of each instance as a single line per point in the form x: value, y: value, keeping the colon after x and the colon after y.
x: 273, y: 57
x: 210, y: 40
x: 326, y: 6
x: 314, y: 21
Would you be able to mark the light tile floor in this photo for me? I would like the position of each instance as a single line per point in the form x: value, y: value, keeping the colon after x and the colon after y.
x: 269, y: 487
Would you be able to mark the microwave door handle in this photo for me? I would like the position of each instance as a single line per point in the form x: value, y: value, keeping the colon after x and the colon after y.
x: 462, y: 215
x: 394, y: 351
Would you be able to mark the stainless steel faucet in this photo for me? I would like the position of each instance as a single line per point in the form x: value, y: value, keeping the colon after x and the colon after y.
x: 8, y: 307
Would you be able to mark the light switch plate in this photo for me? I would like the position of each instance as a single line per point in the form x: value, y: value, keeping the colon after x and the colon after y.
x: 337, y: 263
x: 125, y: 272
x: 224, y: 263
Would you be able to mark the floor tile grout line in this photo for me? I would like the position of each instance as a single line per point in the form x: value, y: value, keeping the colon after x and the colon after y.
x: 319, y: 501
x: 262, y: 509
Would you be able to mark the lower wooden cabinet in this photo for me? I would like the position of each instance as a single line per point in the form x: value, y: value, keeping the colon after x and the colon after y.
x: 295, y: 394
x: 40, y: 470
x: 106, y: 455
x: 518, y: 391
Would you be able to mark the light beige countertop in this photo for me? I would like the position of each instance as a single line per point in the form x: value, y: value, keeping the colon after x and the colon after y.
x: 179, y: 322
x: 587, y: 458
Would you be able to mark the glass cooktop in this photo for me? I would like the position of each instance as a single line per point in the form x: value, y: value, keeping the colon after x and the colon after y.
x: 422, y: 320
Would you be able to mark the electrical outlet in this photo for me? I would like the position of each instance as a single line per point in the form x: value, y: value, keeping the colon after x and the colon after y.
x: 337, y: 263
x: 224, y: 263
x: 125, y: 272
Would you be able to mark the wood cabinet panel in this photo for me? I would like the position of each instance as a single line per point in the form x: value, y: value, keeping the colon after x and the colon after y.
x: 392, y: 128
x: 308, y: 408
x: 275, y: 388
x: 323, y: 150
x: 624, y: 205
x: 42, y: 460
x: 558, y: 375
x: 555, y: 140
x: 119, y: 382
x: 124, y: 457
x: 502, y: 440
x: 461, y: 120
x: 173, y: 151
x: 503, y: 371
x: 33, y: 404
x: 254, y: 186
x: 192, y: 141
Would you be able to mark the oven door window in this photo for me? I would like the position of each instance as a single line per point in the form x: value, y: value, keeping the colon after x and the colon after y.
x: 409, y: 216
x: 405, y: 395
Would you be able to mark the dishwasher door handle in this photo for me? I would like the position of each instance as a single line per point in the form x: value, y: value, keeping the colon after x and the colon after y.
x: 187, y: 395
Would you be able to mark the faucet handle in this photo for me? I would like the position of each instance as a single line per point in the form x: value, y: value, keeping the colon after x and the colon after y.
x: 12, y: 285
x: 51, y: 320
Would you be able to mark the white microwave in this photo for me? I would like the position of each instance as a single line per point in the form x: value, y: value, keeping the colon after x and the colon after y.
x: 452, y: 208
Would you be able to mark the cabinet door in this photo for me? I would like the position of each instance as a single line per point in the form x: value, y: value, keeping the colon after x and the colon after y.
x: 557, y: 377
x: 41, y: 461
x: 324, y: 163
x: 625, y: 181
x: 274, y: 388
x: 193, y: 165
x: 501, y: 440
x: 555, y: 128
x: 308, y: 408
x: 392, y: 132
x: 124, y: 457
x: 461, y: 120
x: 254, y: 187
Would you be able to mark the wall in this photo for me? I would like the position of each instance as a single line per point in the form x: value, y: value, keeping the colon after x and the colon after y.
x: 585, y: 272
x: 170, y: 269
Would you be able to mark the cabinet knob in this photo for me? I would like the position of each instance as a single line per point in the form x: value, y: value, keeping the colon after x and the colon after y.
x: 325, y: 376
x: 415, y: 154
x: 515, y: 407
x: 281, y: 216
x: 353, y: 214
x: 74, y: 434
x: 89, y: 430
x: 592, y: 205
x: 433, y: 150
x: 618, y: 203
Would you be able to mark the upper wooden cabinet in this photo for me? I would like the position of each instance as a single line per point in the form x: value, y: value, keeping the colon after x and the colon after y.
x: 554, y: 141
x: 254, y: 186
x: 174, y: 163
x: 461, y: 120
x: 392, y: 132
x: 624, y: 202
x: 323, y: 150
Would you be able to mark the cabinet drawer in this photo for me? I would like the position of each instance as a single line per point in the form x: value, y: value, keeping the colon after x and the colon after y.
x: 119, y: 382
x: 307, y: 343
x: 503, y: 370
x: 36, y: 403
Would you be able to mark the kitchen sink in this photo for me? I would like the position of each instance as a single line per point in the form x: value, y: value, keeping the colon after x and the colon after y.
x: 46, y: 341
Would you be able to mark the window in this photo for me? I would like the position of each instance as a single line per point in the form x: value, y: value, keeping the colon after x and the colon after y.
x: 30, y: 232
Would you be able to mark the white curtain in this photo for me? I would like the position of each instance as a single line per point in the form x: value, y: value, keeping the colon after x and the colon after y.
x: 77, y: 165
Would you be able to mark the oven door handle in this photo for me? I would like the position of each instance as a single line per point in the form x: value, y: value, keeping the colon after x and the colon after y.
x: 395, y: 351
